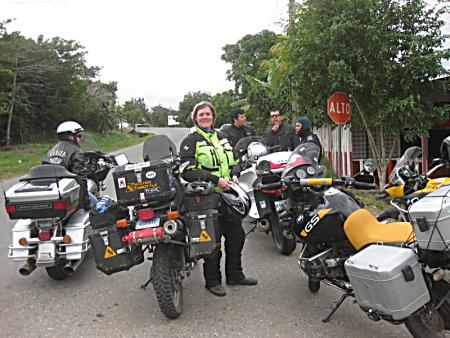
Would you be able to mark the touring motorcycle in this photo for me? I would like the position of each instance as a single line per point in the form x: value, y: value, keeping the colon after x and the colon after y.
x: 406, y: 184
x: 398, y: 272
x: 52, y: 226
x: 259, y: 164
x: 154, y: 213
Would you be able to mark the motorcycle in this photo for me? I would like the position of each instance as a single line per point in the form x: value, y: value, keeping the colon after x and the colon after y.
x: 261, y: 165
x: 407, y: 185
x: 52, y: 227
x: 398, y: 272
x: 154, y: 213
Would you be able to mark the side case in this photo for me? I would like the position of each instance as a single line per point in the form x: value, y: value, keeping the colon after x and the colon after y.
x: 111, y: 254
x: 203, y: 232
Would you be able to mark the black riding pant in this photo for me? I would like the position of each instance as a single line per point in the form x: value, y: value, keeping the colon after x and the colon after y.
x: 231, y: 229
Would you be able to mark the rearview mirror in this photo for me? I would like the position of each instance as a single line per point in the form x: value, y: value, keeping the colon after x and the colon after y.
x: 370, y: 165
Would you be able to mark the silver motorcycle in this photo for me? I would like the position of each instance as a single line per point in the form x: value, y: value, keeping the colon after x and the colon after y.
x: 52, y: 228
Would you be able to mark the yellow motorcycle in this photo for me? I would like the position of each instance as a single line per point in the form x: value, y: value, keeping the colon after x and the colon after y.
x: 406, y: 185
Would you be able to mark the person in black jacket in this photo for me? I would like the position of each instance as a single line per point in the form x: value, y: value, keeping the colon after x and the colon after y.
x: 304, y: 134
x: 206, y: 155
x: 239, y: 128
x: 281, y: 134
x: 68, y: 154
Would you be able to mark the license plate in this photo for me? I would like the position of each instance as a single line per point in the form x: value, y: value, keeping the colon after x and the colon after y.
x: 151, y: 223
x: 279, y: 205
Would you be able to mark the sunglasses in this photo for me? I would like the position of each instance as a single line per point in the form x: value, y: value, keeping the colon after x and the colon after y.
x: 274, y: 116
x: 80, y: 136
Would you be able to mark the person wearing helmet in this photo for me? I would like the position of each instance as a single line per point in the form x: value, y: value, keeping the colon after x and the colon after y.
x: 239, y: 128
x: 68, y: 154
x: 280, y: 135
x: 304, y: 134
x: 207, y: 155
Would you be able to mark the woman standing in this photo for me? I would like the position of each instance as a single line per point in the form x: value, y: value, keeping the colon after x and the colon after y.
x: 207, y: 155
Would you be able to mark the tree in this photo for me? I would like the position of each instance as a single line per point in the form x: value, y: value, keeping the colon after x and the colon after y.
x: 245, y: 57
x: 134, y: 111
x: 384, y: 53
x: 188, y: 103
x: 223, y: 102
x: 159, y: 116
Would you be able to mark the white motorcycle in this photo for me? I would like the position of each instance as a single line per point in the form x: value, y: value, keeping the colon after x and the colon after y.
x: 261, y: 167
x: 52, y: 228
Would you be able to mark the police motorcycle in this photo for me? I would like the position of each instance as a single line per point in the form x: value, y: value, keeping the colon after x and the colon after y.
x: 155, y: 214
x: 259, y: 164
x: 52, y: 226
x: 406, y: 184
x: 398, y: 272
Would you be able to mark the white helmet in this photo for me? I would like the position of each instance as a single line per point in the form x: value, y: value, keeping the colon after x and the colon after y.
x: 69, y: 127
x: 236, y: 201
x: 255, y: 150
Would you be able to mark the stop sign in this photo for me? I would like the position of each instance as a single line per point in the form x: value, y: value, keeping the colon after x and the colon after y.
x: 339, y: 108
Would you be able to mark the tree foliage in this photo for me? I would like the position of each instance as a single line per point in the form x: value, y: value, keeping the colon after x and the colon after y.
x: 246, y: 56
x: 45, y: 82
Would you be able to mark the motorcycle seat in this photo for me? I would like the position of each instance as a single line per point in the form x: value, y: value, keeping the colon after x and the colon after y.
x: 362, y: 229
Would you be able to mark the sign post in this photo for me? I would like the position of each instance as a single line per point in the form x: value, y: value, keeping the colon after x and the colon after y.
x: 339, y: 109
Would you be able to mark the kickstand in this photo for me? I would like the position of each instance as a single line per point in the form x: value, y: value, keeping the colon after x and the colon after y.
x: 251, y: 230
x: 144, y: 286
x: 335, y: 307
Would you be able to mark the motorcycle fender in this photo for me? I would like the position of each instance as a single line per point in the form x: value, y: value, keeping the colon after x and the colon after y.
x: 22, y: 229
x: 262, y: 203
x: 78, y: 229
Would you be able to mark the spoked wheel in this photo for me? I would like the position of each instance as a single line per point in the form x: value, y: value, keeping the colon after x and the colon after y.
x: 167, y: 279
x: 284, y: 245
x: 57, y: 272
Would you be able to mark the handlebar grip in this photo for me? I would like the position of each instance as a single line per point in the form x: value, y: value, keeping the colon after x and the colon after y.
x: 270, y: 186
x: 308, y: 182
x: 364, y: 185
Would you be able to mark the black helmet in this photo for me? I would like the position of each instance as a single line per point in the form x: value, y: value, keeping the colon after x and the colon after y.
x: 445, y: 148
x: 235, y: 201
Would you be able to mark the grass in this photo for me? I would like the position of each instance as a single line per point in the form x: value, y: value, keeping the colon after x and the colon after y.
x: 19, y: 159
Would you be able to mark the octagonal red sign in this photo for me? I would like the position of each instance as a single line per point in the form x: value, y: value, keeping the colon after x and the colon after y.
x: 339, y: 107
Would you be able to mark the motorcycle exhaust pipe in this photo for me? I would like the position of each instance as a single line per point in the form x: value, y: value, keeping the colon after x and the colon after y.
x: 71, y: 266
x: 263, y: 224
x: 27, y: 269
x: 173, y: 228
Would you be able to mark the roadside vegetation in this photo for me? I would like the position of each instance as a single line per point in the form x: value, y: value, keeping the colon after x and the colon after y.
x: 19, y: 159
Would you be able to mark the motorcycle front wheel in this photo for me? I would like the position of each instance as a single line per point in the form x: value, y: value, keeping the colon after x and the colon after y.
x: 284, y: 245
x: 167, y: 279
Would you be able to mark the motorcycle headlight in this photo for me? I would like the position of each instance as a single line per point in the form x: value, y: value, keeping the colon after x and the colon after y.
x: 311, y: 170
x: 300, y: 173
x: 263, y: 167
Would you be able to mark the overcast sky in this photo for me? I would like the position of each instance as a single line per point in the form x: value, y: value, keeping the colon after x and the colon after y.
x: 158, y: 50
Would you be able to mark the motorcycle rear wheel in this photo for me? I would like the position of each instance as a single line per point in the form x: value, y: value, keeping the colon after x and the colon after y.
x: 284, y: 245
x: 57, y: 272
x: 167, y: 281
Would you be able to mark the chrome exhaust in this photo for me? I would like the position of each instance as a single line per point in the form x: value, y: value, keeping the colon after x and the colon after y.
x: 263, y: 224
x: 27, y: 268
x: 71, y: 266
x: 173, y: 228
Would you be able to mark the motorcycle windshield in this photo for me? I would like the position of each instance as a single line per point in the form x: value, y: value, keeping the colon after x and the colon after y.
x: 408, y: 159
x: 158, y: 147
x: 304, y: 154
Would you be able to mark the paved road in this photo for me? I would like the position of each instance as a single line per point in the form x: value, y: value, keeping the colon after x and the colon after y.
x: 91, y: 304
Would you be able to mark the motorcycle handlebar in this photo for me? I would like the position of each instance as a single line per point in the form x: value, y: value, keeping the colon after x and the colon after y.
x: 320, y: 182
